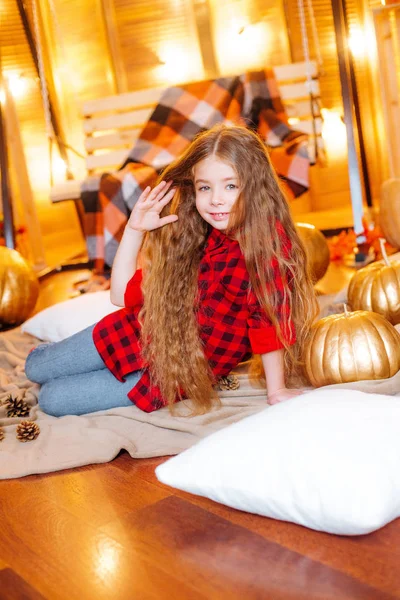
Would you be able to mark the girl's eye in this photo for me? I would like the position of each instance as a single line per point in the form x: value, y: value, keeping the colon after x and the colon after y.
x: 204, y: 188
x: 231, y: 186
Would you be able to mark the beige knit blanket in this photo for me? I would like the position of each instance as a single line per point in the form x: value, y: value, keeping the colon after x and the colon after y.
x: 72, y: 441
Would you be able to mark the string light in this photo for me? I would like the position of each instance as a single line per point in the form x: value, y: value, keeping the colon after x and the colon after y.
x: 17, y: 84
x: 334, y: 134
x: 59, y: 168
x: 357, y: 42
x: 176, y: 65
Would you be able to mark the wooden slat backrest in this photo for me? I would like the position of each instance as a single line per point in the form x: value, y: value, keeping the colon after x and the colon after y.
x: 112, y: 124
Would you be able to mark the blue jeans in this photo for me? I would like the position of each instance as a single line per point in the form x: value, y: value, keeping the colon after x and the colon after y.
x: 74, y: 379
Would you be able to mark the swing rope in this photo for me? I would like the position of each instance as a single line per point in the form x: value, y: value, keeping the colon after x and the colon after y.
x: 307, y: 60
x: 42, y: 76
x: 64, y: 58
x: 52, y: 137
x: 317, y: 45
x: 71, y: 81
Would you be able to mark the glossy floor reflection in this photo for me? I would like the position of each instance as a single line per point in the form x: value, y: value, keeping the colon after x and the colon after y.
x: 113, y: 531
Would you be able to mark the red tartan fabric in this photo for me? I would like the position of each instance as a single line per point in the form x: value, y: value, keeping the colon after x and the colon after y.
x: 251, y: 99
x: 231, y: 321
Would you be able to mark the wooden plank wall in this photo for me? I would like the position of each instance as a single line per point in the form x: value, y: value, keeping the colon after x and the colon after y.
x: 263, y: 41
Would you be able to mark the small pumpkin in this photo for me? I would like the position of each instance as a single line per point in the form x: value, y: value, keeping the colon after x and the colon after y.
x: 377, y: 288
x: 317, y: 249
x: 389, y: 211
x: 352, y: 346
x: 19, y: 288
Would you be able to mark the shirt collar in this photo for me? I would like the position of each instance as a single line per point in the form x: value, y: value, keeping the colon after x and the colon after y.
x: 216, y: 239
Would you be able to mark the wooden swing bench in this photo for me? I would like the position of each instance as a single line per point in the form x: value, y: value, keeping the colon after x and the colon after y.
x: 112, y: 124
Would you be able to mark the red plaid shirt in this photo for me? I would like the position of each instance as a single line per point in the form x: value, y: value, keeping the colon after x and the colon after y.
x: 231, y: 321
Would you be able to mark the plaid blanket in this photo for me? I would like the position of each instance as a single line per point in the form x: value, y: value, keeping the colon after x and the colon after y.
x: 251, y: 99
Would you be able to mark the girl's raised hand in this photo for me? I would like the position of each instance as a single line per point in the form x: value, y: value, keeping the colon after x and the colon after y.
x: 145, y: 215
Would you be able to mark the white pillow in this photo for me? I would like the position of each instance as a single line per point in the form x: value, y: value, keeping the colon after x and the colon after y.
x: 329, y: 460
x: 61, y: 320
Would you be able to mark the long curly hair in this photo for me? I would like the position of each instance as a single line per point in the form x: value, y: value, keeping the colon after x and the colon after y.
x: 171, y: 255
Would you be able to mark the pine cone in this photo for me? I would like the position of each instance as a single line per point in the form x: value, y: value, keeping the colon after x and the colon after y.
x: 27, y: 431
x: 230, y: 382
x: 2, y: 434
x: 16, y: 407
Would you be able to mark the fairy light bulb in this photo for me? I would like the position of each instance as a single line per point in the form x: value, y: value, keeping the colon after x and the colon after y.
x: 17, y: 84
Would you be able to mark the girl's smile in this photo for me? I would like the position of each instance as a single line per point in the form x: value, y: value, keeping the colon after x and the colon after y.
x: 220, y: 216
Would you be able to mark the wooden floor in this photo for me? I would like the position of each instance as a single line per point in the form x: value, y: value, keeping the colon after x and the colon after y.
x: 112, y: 531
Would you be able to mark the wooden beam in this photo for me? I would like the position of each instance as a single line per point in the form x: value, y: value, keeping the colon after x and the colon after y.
x: 114, y: 49
x: 339, y: 17
x: 27, y: 204
x: 357, y: 114
x: 389, y: 88
x: 8, y: 217
x: 5, y: 193
x: 54, y: 120
x: 202, y: 15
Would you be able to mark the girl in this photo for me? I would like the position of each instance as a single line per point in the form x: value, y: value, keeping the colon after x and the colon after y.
x: 224, y: 274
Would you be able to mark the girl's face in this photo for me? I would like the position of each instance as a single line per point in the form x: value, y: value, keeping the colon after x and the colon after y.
x: 217, y: 189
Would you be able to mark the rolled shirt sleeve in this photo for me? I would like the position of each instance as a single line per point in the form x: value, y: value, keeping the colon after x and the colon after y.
x: 265, y: 338
x: 263, y: 335
x: 133, y: 294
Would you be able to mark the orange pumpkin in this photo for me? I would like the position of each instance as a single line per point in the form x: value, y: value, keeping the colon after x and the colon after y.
x: 317, y: 249
x: 19, y: 288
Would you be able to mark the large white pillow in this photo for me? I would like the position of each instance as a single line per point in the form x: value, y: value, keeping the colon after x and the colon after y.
x: 329, y: 460
x: 61, y: 320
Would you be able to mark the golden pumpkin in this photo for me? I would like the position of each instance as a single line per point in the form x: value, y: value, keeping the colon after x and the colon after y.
x: 352, y: 346
x: 389, y: 211
x: 19, y: 287
x: 317, y: 249
x: 377, y: 288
